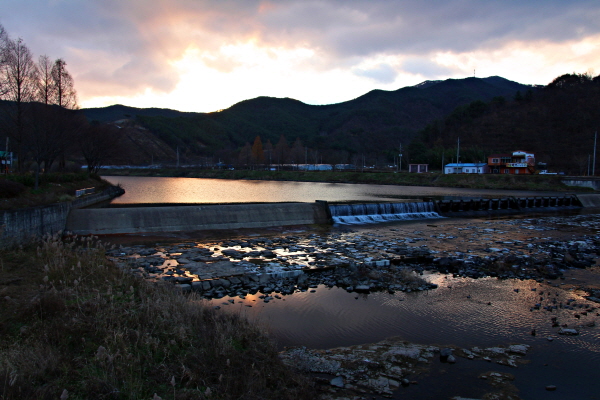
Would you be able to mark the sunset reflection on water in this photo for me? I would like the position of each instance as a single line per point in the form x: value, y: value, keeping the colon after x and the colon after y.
x: 200, y: 190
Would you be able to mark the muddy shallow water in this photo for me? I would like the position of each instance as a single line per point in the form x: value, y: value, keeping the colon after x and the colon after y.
x: 461, y: 312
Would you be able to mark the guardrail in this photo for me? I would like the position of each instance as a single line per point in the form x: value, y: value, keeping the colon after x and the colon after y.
x: 82, y: 192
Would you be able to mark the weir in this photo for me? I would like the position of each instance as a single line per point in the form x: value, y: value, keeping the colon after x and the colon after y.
x: 103, y: 221
x: 475, y: 206
x: 381, y: 212
x: 121, y: 220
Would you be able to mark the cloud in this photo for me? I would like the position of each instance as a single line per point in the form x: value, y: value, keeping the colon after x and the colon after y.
x: 132, y: 48
x: 383, y: 73
x: 427, y: 67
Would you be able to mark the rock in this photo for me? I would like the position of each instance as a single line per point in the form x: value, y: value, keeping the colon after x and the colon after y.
x: 184, y: 287
x: 338, y: 381
x: 568, y: 332
x: 518, y: 349
x: 409, y: 352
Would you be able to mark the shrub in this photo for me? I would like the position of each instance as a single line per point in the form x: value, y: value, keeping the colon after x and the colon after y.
x: 10, y: 189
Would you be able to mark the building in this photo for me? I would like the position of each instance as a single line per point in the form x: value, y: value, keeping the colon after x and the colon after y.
x: 6, y: 159
x: 418, y: 168
x: 519, y: 162
x: 466, y: 168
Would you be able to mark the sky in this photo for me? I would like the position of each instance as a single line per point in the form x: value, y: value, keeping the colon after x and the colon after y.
x: 206, y: 55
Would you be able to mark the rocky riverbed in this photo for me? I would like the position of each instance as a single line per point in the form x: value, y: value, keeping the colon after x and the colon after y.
x: 560, y: 252
x: 543, y: 248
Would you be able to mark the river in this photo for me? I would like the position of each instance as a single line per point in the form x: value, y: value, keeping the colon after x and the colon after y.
x: 461, y: 311
x: 200, y: 190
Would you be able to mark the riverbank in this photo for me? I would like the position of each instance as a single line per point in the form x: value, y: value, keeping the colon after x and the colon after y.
x: 18, y: 190
x: 472, y: 181
x: 72, y: 325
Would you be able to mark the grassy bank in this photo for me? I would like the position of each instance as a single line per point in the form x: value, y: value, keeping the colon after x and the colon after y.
x: 18, y: 190
x: 72, y: 324
x: 489, y: 181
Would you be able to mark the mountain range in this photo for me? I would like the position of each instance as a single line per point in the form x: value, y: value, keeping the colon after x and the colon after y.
x: 372, y: 125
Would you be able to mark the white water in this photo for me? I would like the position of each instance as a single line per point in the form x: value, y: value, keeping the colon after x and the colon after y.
x: 381, y: 212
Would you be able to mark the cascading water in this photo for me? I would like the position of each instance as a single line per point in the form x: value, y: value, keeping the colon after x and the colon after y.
x: 381, y: 212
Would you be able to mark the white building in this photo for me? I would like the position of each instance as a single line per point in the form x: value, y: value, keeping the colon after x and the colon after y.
x: 466, y: 168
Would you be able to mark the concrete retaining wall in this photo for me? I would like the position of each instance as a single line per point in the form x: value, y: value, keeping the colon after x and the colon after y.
x: 103, y: 221
x: 20, y: 226
x: 593, y: 183
x: 589, y: 200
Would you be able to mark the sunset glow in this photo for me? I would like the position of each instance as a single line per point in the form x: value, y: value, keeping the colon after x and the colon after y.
x: 205, y: 56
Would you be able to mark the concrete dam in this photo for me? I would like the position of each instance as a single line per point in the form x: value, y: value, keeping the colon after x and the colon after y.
x: 147, y: 219
x: 106, y: 221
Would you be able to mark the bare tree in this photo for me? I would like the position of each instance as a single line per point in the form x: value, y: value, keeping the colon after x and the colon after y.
x: 45, y: 83
x: 245, y: 156
x: 98, y: 143
x: 282, y: 151
x: 20, y: 75
x: 298, y: 152
x: 258, y: 154
x: 64, y: 88
x: 3, y: 61
x: 50, y: 134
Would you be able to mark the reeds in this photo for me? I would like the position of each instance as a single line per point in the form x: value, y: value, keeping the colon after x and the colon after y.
x: 83, y: 328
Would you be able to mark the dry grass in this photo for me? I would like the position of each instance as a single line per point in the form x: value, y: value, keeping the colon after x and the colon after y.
x: 73, y: 325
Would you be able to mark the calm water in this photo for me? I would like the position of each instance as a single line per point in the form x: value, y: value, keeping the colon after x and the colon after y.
x: 445, y: 316
x: 198, y: 190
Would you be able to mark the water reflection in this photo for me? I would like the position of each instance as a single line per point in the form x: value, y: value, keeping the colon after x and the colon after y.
x: 197, y: 190
x: 462, y: 311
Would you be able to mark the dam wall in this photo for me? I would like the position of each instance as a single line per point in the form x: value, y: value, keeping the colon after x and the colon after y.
x: 21, y: 225
x: 507, y: 203
x: 105, y: 221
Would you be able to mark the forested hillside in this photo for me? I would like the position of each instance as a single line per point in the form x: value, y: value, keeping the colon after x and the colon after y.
x: 557, y: 123
x: 373, y: 125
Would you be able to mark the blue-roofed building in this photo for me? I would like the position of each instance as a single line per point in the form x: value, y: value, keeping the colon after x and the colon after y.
x: 466, y: 168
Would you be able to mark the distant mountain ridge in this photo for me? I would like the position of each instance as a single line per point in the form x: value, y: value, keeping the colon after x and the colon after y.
x: 372, y: 124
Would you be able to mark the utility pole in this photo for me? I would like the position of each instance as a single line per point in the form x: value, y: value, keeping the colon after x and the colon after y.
x: 177, y: 156
x: 594, y: 164
x: 588, y: 168
x: 6, y: 158
x: 443, y: 169
x: 457, y: 155
x: 400, y: 157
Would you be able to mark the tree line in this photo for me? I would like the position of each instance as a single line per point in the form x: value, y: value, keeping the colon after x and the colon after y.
x: 556, y: 122
x: 40, y: 121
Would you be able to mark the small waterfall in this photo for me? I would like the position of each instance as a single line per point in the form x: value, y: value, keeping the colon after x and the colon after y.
x: 381, y: 212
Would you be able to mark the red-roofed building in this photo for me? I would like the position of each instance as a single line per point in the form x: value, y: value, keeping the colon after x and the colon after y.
x: 519, y: 162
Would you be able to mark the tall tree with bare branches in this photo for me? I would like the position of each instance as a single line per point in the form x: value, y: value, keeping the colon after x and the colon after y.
x: 3, y: 60
x: 20, y: 76
x: 64, y: 94
x: 45, y: 83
